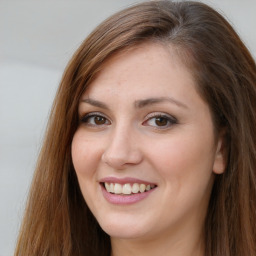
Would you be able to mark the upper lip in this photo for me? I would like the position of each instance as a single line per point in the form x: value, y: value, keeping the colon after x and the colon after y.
x: 125, y: 180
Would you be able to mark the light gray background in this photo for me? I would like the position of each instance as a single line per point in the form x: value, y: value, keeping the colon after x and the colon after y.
x: 36, y: 40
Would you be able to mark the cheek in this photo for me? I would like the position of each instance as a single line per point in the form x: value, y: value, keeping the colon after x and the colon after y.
x: 85, y: 155
x: 184, y: 161
x: 186, y: 170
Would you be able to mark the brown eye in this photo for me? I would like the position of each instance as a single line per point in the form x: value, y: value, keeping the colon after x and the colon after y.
x: 95, y: 120
x: 161, y: 121
x: 99, y: 120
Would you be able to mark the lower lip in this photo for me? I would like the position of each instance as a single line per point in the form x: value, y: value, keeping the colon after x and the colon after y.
x: 125, y: 199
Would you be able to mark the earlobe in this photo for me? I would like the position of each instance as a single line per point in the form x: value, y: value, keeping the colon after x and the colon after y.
x: 219, y: 165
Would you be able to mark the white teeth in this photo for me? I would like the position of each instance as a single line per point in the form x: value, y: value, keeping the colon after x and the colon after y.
x: 142, y: 188
x: 111, y: 189
x: 127, y: 188
x: 107, y: 186
x: 118, y: 189
x: 135, y: 188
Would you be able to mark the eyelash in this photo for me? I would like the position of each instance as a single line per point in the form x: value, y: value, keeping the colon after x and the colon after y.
x: 170, y: 120
x: 86, y: 118
x: 165, y: 117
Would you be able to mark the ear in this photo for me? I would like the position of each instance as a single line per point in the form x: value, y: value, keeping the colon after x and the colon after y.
x: 219, y: 164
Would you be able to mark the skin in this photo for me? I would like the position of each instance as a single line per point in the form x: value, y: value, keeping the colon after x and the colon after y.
x: 181, y: 157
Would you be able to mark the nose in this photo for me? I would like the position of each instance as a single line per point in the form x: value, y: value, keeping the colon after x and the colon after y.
x: 122, y: 149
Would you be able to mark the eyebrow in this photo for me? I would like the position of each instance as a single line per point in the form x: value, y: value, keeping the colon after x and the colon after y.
x: 95, y: 103
x: 152, y: 101
x: 138, y: 103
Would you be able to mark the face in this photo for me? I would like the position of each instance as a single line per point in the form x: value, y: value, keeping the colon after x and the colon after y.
x: 145, y: 151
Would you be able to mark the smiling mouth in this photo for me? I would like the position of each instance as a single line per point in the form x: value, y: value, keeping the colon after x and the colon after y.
x: 127, y: 189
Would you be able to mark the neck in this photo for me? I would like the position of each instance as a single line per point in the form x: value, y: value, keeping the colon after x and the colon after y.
x: 164, y: 245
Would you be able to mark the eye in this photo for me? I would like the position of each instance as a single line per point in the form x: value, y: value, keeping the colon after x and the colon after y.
x: 160, y: 121
x: 95, y: 119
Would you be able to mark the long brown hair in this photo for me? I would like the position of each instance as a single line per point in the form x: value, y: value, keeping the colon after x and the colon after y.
x: 57, y: 220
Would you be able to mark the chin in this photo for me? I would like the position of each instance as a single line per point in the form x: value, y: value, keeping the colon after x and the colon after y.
x: 124, y: 234
x: 123, y: 230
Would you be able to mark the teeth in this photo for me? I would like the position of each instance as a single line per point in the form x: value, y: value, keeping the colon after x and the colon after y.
x: 111, y: 189
x: 135, y: 188
x: 127, y: 189
x: 118, y: 189
x: 142, y: 188
x: 107, y: 186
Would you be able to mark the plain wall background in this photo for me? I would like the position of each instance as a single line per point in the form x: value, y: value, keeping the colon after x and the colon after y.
x: 37, y: 38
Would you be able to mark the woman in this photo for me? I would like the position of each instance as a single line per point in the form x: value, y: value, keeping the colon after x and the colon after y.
x: 150, y: 147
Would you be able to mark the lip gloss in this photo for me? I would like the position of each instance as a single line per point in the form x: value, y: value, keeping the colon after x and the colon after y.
x: 121, y: 199
x: 124, y: 199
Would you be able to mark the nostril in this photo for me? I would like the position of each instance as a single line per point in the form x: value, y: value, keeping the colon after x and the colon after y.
x: 116, y: 162
x: 119, y: 160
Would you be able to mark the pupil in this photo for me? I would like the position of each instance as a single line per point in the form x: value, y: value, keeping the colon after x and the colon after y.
x: 99, y: 120
x: 161, y: 121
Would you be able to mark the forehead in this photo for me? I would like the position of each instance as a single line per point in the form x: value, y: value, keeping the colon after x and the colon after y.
x: 144, y: 66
